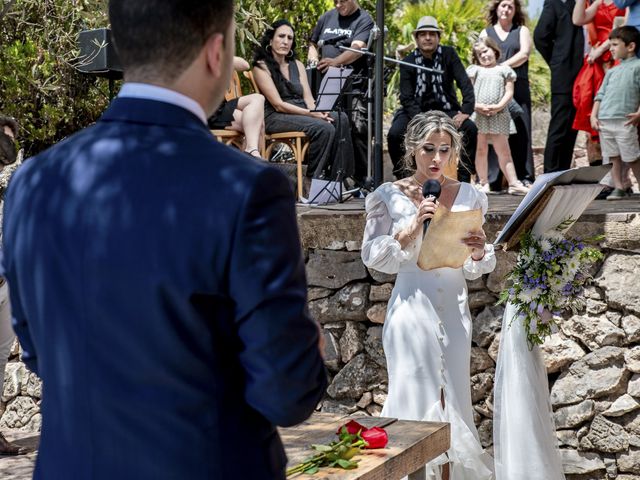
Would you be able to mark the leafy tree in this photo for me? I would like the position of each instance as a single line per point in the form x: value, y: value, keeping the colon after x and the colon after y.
x: 461, y: 22
x: 40, y: 87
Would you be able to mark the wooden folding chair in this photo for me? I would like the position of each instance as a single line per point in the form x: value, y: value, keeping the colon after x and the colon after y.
x: 296, y: 141
x: 231, y: 137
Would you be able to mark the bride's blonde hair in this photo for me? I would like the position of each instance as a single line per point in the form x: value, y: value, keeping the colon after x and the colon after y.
x: 421, y: 127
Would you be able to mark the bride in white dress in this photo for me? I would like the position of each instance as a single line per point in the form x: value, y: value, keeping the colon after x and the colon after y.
x: 427, y: 331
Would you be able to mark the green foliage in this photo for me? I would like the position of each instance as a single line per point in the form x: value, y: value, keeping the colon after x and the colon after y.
x: 461, y: 22
x: 539, y: 77
x: 50, y: 99
x: 254, y: 17
x: 40, y: 87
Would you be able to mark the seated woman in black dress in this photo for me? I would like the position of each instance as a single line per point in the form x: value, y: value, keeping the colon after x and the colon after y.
x: 290, y: 105
x: 244, y: 114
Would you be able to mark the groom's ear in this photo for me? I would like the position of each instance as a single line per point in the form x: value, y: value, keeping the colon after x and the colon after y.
x: 214, y: 53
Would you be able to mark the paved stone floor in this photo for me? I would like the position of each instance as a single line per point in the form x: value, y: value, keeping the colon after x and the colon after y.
x: 19, y: 467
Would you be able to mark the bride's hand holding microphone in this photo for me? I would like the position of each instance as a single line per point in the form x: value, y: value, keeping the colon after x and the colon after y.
x: 425, y: 212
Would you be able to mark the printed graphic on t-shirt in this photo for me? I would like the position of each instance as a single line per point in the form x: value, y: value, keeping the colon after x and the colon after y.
x: 337, y: 32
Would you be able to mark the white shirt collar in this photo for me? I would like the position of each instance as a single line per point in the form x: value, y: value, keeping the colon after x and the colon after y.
x: 161, y: 94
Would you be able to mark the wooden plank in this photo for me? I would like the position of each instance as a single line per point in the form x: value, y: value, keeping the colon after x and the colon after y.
x: 411, y: 445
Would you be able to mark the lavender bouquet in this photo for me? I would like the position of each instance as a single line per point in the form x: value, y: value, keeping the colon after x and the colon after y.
x: 549, y: 276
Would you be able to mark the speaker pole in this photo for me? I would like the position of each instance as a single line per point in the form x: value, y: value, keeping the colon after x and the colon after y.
x: 378, y: 98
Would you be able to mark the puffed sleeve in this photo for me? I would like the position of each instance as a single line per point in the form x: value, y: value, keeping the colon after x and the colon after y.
x: 509, y: 74
x: 380, y: 250
x: 472, y: 71
x: 486, y: 264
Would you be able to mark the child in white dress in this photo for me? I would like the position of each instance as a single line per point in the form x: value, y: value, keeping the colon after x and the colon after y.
x: 493, y: 87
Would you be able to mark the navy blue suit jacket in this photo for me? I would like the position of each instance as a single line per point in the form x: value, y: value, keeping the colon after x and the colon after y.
x: 158, y: 289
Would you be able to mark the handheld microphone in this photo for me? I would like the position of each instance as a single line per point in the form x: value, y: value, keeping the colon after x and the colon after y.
x: 332, y: 40
x: 430, y: 188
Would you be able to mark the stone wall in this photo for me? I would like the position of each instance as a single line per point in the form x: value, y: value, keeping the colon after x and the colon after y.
x: 593, y: 362
x: 21, y: 396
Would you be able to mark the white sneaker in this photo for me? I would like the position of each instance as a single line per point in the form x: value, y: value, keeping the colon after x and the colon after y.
x: 483, y: 187
x: 518, y: 189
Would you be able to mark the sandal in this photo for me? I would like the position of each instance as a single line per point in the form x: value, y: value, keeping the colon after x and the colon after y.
x: 256, y: 154
x: 8, y: 448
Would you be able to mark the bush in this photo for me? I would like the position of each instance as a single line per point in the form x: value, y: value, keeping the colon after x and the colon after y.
x: 40, y: 87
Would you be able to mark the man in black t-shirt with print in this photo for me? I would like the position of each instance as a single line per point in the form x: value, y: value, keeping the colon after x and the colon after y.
x: 346, y: 25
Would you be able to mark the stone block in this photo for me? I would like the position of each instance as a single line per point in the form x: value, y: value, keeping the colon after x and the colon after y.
x: 631, y: 326
x: 373, y: 346
x: 632, y: 359
x: 573, y: 415
x: 559, y: 351
x: 595, y: 307
x: 633, y: 388
x: 348, y: 304
x: 334, y: 269
x: 374, y: 410
x: 365, y: 400
x: 618, y: 272
x: 316, y: 293
x: 379, y: 397
x: 481, y: 299
x: 605, y: 436
x: 22, y: 413
x: 358, y: 376
x: 494, y: 348
x: 496, y: 280
x: 621, y: 406
x: 380, y: 293
x: 352, y: 340
x: 598, y: 374
x: 629, y: 462
x: 594, y: 332
x: 14, y: 375
x: 481, y: 386
x: 567, y: 438
x: 593, y: 293
x: 480, y: 360
x: 475, y: 285
x: 345, y: 407
x: 377, y: 313
x: 578, y: 463
x: 631, y: 422
x: 331, y: 351
x: 486, y: 324
x: 381, y: 277
x: 485, y: 432
x: 353, y: 245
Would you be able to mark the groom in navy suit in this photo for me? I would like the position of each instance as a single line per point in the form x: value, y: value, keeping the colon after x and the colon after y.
x: 156, y: 276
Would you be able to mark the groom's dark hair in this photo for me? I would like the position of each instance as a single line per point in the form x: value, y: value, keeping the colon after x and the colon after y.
x: 160, y: 38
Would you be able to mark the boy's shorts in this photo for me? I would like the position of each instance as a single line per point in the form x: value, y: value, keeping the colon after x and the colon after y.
x: 619, y: 140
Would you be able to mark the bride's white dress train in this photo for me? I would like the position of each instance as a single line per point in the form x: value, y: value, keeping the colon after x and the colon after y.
x: 525, y: 443
x: 427, y: 331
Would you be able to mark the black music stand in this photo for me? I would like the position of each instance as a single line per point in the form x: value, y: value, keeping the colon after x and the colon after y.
x: 335, y: 82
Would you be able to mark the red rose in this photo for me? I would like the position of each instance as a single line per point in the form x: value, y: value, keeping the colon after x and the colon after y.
x: 375, y: 437
x: 352, y: 427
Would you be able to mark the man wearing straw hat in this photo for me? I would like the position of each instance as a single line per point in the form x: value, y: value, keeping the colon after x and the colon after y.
x: 422, y: 90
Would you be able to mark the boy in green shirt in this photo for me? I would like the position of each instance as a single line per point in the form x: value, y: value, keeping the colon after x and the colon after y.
x: 616, y: 109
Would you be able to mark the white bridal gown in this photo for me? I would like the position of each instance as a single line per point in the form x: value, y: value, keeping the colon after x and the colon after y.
x: 427, y: 331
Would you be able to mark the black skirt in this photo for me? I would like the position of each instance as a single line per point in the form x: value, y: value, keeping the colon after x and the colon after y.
x: 224, y: 115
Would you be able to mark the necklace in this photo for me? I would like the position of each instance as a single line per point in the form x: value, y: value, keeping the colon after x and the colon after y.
x: 414, y: 180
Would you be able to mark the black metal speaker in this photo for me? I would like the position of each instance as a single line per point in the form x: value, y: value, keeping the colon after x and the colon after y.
x: 98, y: 55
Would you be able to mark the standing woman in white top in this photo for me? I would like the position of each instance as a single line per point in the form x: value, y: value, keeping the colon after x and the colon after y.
x: 427, y: 331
